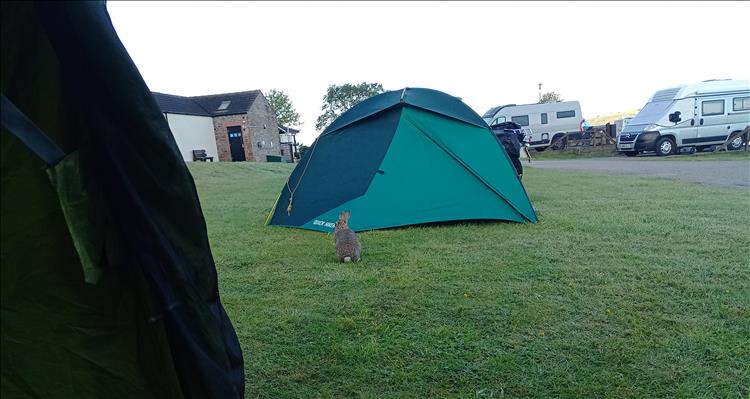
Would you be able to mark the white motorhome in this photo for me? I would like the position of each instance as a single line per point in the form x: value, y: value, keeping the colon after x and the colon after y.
x: 692, y: 116
x: 545, y: 122
x: 620, y: 124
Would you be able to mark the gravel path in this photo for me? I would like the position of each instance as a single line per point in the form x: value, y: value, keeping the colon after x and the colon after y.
x: 720, y: 173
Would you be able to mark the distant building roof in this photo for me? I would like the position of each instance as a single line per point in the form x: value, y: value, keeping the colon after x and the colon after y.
x: 210, y: 105
x: 227, y: 103
x: 178, y: 105
x: 284, y: 129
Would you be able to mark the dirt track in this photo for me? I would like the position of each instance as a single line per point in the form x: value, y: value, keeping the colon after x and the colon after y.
x: 734, y: 173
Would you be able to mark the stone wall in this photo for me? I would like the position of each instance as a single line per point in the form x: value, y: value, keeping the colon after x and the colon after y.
x: 221, y: 123
x: 264, y: 129
x: 260, y: 132
x: 286, y: 152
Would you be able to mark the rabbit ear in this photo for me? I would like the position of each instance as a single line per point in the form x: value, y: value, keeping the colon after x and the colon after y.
x: 341, y: 215
x: 347, y: 214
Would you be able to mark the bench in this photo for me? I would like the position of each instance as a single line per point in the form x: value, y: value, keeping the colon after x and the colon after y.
x: 200, y: 155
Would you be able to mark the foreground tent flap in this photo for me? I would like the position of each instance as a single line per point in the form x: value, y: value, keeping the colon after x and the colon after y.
x: 151, y: 324
x: 430, y: 162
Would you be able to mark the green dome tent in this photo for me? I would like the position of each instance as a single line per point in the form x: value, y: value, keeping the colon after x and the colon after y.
x: 109, y: 288
x: 399, y: 158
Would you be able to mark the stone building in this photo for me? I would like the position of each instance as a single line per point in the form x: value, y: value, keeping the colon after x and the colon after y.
x: 238, y: 126
x: 289, y: 145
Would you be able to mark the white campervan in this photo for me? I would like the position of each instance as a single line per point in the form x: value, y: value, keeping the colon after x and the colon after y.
x: 545, y: 122
x: 689, y: 116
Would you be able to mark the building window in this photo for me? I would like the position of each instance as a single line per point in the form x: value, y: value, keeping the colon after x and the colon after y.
x: 522, y: 120
x: 713, y: 107
x: 544, y: 118
x: 566, y: 114
x: 224, y: 105
x: 282, y: 151
x: 741, y: 104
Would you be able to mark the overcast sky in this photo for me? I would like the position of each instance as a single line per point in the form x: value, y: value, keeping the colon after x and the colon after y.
x: 609, y: 56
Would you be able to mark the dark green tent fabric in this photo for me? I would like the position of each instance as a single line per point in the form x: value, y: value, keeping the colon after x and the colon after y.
x: 109, y: 288
x: 428, y: 99
x: 403, y: 157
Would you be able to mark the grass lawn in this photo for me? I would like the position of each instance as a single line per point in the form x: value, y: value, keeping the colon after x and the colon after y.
x: 627, y: 288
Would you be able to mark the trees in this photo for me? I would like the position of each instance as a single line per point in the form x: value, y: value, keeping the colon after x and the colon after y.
x: 286, y: 115
x: 302, y: 150
x: 338, y: 99
x: 550, y: 97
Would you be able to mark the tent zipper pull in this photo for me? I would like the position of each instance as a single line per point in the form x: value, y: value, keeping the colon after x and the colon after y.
x: 289, y: 208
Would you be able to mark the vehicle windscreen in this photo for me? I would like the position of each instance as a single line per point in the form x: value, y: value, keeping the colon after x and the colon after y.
x: 651, y: 113
x: 490, y: 113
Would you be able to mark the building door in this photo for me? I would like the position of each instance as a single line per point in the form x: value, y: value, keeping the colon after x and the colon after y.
x: 236, y: 144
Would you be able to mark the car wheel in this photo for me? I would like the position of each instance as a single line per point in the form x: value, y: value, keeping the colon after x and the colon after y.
x: 665, y: 146
x: 631, y: 153
x: 735, y: 144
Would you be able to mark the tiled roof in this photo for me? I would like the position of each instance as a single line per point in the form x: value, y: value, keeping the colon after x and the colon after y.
x: 239, y: 103
x: 178, y: 105
x: 211, y: 105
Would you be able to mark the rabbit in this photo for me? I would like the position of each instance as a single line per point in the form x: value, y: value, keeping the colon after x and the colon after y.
x: 348, y: 248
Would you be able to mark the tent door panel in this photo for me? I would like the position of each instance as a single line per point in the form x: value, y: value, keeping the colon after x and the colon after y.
x: 236, y: 145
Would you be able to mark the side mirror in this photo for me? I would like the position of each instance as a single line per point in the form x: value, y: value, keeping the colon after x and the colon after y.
x: 675, y: 117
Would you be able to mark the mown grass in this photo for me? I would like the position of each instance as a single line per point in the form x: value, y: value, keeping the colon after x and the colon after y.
x: 626, y: 288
